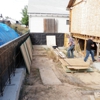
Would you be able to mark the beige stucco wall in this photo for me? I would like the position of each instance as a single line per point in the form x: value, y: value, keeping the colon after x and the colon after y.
x: 85, y: 18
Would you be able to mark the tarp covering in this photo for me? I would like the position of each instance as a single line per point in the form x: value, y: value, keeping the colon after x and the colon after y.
x: 7, y: 34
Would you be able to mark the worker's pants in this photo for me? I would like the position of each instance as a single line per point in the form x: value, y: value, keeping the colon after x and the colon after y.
x: 87, y: 55
x: 70, y: 51
x: 93, y: 51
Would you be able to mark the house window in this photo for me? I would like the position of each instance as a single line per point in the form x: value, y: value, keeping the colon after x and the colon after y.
x: 67, y: 22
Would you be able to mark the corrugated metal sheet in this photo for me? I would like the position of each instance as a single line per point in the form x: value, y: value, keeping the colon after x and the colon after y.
x: 48, y: 6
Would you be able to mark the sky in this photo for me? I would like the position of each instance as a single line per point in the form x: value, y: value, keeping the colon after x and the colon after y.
x: 12, y: 8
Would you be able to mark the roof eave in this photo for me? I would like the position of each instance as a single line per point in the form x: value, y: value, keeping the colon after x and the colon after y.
x: 70, y: 4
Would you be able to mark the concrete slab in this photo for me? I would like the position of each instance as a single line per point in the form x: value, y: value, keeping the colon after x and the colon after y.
x: 12, y: 91
x: 96, y: 65
x: 48, y: 77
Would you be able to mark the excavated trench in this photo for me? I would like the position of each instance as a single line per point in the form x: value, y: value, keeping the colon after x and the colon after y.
x: 74, y: 86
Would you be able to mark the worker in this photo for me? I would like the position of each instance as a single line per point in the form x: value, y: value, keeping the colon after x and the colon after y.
x: 94, y: 48
x: 89, y: 46
x: 70, y: 50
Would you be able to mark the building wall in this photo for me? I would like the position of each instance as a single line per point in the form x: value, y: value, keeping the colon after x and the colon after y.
x: 62, y: 25
x: 36, y: 24
x: 76, y: 18
x: 85, y: 18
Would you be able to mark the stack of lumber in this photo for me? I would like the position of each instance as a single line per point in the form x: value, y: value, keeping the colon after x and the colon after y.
x: 71, y: 63
x: 75, y: 63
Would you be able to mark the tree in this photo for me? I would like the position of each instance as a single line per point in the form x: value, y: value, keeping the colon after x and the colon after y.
x: 25, y: 18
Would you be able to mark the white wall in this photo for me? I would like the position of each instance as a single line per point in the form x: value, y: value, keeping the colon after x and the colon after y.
x: 62, y: 26
x: 36, y: 24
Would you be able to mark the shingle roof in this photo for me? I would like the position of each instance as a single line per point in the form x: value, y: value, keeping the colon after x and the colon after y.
x: 48, y: 6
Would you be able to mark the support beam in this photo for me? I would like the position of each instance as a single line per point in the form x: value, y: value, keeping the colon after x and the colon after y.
x: 98, y: 50
x: 85, y: 37
x: 85, y: 47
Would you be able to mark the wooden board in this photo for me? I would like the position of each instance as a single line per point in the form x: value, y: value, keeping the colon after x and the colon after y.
x: 48, y: 77
x: 73, y: 65
x: 22, y: 47
x: 79, y: 70
x: 63, y: 62
x: 77, y: 62
x: 50, y: 26
x: 77, y: 67
x: 27, y: 52
x: 29, y: 39
x: 29, y: 47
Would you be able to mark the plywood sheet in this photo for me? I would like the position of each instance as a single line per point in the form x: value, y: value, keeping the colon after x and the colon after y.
x: 51, y: 40
x: 48, y: 77
x: 30, y: 42
x: 77, y: 67
x: 29, y: 47
x: 22, y: 47
x: 76, y: 62
x: 27, y: 52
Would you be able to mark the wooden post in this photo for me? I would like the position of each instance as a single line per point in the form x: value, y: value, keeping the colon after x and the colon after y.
x: 65, y: 40
x: 98, y: 50
x: 70, y: 19
x: 76, y: 42
x: 85, y: 47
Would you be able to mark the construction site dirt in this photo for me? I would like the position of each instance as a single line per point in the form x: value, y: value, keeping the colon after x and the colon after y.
x: 41, y: 85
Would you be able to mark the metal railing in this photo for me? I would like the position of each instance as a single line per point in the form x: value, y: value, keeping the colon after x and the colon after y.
x: 10, y: 59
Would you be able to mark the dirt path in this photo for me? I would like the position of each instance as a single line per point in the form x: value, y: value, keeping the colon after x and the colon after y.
x: 77, y: 86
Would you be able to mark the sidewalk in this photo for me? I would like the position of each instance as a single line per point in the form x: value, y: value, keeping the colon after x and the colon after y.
x: 11, y: 91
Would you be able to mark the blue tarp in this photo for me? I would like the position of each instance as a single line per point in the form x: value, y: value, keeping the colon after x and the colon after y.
x: 7, y: 34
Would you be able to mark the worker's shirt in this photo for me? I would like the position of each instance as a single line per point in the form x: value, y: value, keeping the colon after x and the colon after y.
x: 71, y: 41
x: 95, y: 46
x: 89, y: 45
